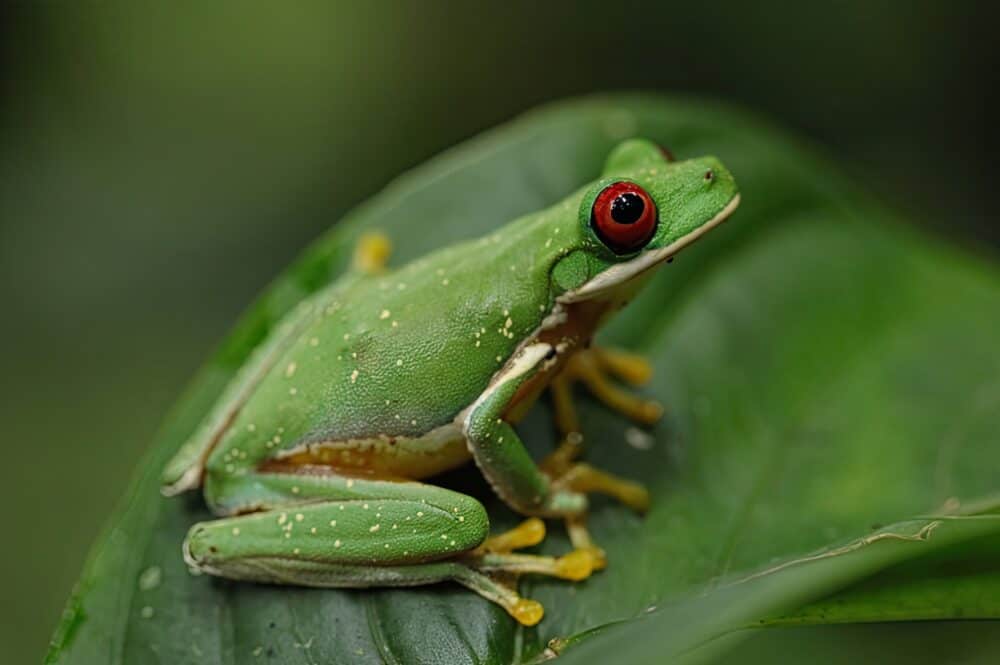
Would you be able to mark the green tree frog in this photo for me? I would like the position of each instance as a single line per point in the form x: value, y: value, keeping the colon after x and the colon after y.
x: 314, y: 456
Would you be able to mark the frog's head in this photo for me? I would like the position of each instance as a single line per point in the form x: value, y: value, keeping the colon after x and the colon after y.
x: 644, y: 209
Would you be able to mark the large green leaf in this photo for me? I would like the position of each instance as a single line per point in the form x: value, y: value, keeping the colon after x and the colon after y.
x: 825, y: 369
x: 697, y: 627
x: 957, y: 583
x: 965, y: 642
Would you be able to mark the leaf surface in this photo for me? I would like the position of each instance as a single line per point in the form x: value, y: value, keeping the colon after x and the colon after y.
x: 825, y: 369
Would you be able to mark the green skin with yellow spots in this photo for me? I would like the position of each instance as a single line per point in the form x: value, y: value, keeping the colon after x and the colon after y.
x: 312, y: 455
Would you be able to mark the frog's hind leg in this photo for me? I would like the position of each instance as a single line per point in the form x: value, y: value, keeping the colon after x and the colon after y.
x: 325, y: 530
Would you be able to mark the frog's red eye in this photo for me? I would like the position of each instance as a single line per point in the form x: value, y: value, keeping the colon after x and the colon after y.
x: 624, y: 217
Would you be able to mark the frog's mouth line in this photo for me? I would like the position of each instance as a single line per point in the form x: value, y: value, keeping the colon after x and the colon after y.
x: 623, y: 272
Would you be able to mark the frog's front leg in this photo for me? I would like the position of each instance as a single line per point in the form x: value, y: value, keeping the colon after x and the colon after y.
x: 514, y: 476
x: 500, y: 453
x: 332, y: 531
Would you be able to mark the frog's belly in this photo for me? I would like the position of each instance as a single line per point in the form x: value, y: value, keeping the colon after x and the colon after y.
x: 385, y: 457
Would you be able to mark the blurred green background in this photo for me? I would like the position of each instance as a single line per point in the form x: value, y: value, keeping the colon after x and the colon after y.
x: 159, y: 163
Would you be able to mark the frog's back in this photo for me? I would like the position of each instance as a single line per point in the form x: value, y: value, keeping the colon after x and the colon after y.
x: 392, y: 358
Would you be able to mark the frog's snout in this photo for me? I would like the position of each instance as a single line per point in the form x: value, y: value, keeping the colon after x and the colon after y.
x: 714, y: 175
x: 712, y: 183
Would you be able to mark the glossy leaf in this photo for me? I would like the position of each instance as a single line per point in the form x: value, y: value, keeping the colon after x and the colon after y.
x: 913, y: 642
x: 956, y: 583
x: 700, y: 627
x: 825, y: 370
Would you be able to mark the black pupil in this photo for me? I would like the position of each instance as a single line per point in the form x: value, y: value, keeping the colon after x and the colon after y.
x: 627, y: 208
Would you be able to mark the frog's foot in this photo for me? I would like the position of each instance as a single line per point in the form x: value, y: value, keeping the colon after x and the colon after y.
x: 525, y: 611
x: 585, y: 558
x: 494, y: 556
x: 372, y: 253
x: 528, y: 533
x: 494, y: 575
x: 585, y: 479
x: 594, y: 368
x: 576, y: 527
x: 576, y: 565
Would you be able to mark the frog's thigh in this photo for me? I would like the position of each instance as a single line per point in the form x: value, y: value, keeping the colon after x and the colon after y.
x: 375, y: 534
x: 327, y: 570
x: 251, y: 489
x: 337, y: 520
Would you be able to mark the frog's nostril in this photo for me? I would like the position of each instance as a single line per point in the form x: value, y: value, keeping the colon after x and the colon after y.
x: 709, y: 174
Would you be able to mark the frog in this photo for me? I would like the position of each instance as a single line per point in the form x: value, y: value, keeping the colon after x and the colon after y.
x: 315, y: 458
